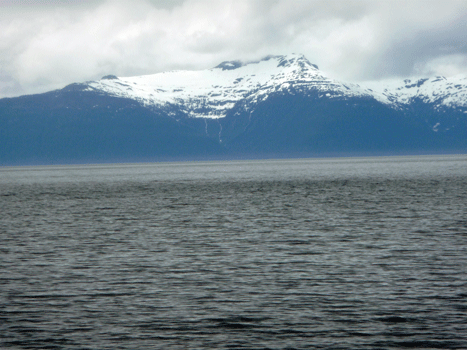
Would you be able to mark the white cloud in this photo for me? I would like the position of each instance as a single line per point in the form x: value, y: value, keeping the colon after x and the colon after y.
x: 50, y: 45
x: 449, y: 65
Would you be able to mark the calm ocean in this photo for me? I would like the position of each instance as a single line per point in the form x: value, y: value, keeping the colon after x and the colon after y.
x: 354, y: 253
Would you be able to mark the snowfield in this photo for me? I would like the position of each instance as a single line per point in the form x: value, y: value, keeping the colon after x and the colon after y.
x: 213, y: 92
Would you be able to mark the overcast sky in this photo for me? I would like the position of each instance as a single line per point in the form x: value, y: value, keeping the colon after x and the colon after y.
x: 45, y: 45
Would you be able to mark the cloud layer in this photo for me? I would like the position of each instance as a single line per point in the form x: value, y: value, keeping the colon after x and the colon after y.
x: 49, y: 45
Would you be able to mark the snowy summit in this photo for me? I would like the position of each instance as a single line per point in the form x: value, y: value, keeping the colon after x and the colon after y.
x: 213, y: 92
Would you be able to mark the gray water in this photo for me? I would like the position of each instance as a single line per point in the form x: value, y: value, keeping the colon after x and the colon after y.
x: 365, y: 253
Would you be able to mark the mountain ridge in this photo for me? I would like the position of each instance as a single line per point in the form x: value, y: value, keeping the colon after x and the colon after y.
x: 173, y: 87
x: 278, y: 106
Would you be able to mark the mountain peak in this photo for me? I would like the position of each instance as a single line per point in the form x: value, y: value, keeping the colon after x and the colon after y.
x: 282, y: 61
x: 230, y: 65
x: 213, y: 92
x: 109, y: 77
x: 295, y: 59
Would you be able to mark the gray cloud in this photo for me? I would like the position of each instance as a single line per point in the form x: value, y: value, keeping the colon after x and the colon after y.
x: 48, y: 44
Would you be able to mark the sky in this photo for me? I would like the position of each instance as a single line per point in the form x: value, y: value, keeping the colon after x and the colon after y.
x: 46, y: 45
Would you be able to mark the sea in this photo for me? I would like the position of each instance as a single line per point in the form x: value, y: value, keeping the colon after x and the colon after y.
x: 333, y: 253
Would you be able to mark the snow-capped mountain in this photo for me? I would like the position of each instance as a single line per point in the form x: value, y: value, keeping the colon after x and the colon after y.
x: 212, y: 93
x: 280, y: 106
x: 439, y: 91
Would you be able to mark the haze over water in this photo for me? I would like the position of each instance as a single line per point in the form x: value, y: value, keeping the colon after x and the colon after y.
x: 356, y: 253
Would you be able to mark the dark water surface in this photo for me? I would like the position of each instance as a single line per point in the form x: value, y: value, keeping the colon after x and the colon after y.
x: 366, y: 253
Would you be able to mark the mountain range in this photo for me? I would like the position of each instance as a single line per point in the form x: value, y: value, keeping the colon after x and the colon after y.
x: 280, y: 106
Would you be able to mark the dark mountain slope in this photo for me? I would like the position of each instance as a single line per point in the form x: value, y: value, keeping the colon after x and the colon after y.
x: 304, y: 125
x: 77, y: 127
